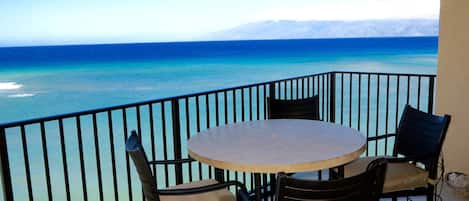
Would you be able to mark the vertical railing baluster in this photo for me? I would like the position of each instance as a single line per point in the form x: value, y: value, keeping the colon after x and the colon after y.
x: 264, y: 100
x: 264, y: 184
x: 332, y: 97
x: 139, y: 125
x: 207, y: 124
x: 207, y: 111
x: 250, y: 103
x: 328, y: 90
x: 98, y: 158
x: 397, y: 102
x: 113, y: 156
x: 342, y: 98
x: 291, y: 89
x: 386, y: 129
x: 368, y: 113
x: 323, y: 99
x: 408, y: 90
x: 418, y: 92
x: 197, y: 118
x: 139, y: 130
x: 272, y: 91
x: 377, y: 113
x: 235, y: 118
x: 46, y: 160
x: 302, y: 88
x: 165, y: 144
x: 234, y: 121
x: 285, y: 95
x: 350, y: 101
x: 219, y: 172
x: 225, y: 106
x: 242, y: 105
x: 127, y: 162
x: 188, y: 131
x: 297, y: 89
x: 217, y: 115
x: 359, y: 101
x: 5, y: 165
x: 152, y: 140
x: 257, y: 103
x: 431, y: 91
x: 175, y: 117
x: 243, y: 119
x: 317, y: 85
x: 27, y: 166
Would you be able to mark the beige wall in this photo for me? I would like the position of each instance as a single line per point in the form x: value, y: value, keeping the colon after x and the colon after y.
x: 453, y: 81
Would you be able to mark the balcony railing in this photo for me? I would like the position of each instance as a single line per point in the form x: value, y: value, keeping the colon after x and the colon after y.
x: 81, y: 156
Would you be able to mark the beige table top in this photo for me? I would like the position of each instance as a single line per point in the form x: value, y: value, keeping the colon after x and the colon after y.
x: 271, y: 146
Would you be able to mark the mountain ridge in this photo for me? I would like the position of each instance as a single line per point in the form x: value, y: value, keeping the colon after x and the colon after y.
x: 291, y: 29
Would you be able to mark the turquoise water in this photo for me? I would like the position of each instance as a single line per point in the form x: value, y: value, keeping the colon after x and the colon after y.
x: 44, y: 81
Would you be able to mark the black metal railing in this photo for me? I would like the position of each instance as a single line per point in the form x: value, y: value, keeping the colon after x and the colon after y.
x: 81, y: 156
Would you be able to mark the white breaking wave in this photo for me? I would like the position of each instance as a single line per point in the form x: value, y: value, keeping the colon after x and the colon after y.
x: 20, y: 95
x: 9, y: 86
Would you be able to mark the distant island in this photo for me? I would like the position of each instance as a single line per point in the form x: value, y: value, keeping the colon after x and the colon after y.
x: 289, y: 29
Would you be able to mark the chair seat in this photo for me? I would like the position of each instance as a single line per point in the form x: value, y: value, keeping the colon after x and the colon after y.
x: 219, y: 195
x: 399, y: 176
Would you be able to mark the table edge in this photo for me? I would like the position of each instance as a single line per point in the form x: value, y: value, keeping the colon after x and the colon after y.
x: 287, y: 168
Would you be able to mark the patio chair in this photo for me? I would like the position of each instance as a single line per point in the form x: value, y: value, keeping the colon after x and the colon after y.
x: 205, y: 190
x: 366, y: 186
x: 413, y: 167
x: 307, y: 108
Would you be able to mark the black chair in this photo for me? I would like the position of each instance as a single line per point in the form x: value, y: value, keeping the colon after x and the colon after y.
x: 206, y: 190
x: 413, y: 167
x: 366, y: 186
x: 307, y: 108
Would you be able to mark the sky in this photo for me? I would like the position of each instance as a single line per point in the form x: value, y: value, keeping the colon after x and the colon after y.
x: 52, y: 22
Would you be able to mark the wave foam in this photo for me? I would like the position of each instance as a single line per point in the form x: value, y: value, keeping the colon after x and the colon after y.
x: 10, y: 86
x: 20, y: 95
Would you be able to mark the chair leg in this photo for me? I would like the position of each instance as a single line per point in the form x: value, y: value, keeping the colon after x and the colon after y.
x: 394, y: 198
x: 430, y: 193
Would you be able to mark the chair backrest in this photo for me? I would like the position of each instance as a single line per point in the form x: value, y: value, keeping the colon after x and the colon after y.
x: 367, y: 186
x: 137, y: 153
x: 421, y: 134
x: 307, y: 108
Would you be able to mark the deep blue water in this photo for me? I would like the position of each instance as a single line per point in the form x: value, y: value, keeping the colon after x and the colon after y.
x: 216, y: 49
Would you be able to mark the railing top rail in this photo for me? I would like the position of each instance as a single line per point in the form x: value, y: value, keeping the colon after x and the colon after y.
x: 381, y: 73
x: 135, y: 104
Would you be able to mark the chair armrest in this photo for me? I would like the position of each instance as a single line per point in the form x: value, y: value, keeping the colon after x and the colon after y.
x: 242, y: 193
x: 407, y: 159
x: 373, y: 138
x: 171, y: 162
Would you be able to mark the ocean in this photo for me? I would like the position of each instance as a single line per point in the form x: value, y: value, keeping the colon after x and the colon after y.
x: 48, y: 80
x: 42, y: 81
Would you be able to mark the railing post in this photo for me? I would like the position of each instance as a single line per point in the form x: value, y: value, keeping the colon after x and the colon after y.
x: 431, y: 91
x: 5, y: 168
x: 332, y: 97
x: 177, y: 139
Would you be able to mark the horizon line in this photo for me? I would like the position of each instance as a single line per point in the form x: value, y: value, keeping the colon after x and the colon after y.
x: 205, y: 41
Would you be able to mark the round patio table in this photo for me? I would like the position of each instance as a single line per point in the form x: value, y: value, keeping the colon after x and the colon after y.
x: 279, y: 145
